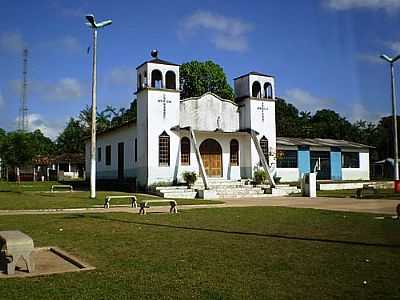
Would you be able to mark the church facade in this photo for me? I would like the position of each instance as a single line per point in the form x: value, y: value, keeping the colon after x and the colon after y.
x: 214, y: 137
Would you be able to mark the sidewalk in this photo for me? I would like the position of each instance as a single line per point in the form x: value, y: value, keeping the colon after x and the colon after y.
x: 378, y: 206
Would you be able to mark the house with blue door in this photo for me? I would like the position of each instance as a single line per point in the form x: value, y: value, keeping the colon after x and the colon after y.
x: 331, y: 159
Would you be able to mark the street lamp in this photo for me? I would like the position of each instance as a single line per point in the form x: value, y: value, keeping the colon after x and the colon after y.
x: 391, y: 61
x: 95, y: 26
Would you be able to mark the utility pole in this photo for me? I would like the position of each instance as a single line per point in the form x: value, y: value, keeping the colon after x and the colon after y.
x: 95, y: 26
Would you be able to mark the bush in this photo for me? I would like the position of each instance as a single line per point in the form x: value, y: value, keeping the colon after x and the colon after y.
x: 190, y: 178
x: 260, y: 176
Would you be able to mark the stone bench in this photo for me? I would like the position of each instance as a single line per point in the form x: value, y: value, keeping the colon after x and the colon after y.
x: 132, y: 197
x: 143, y: 205
x: 367, y: 188
x: 14, y: 245
x: 61, y: 186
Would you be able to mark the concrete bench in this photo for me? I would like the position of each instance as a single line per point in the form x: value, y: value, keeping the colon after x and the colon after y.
x: 61, y: 186
x: 367, y: 188
x: 14, y: 245
x: 132, y: 197
x: 173, y: 206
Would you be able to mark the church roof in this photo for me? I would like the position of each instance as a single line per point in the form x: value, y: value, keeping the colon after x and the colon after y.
x: 158, y: 61
x: 253, y: 73
x: 287, y: 141
x: 209, y: 93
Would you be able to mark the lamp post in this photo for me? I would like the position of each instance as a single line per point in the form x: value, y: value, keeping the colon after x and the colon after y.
x: 94, y: 26
x: 391, y: 61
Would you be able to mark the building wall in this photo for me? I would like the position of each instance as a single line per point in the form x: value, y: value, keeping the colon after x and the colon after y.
x: 127, y: 135
x: 361, y: 173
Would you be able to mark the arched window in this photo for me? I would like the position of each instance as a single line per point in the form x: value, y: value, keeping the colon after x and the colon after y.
x: 234, y: 151
x: 140, y: 83
x: 156, y: 79
x: 185, y: 151
x: 163, y: 149
x: 256, y: 90
x: 170, y: 80
x: 264, y: 148
x: 268, y: 90
x: 145, y: 82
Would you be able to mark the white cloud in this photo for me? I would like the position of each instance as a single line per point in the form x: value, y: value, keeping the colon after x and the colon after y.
x: 48, y: 128
x: 12, y: 42
x: 305, y: 101
x: 394, y: 46
x: 63, y: 89
x: 388, y: 5
x: 369, y: 58
x: 122, y: 76
x: 68, y: 43
x: 225, y: 32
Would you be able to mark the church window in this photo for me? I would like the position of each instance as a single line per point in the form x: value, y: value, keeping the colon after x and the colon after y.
x: 99, y: 154
x: 268, y: 90
x: 108, y: 155
x: 264, y: 148
x: 234, y: 153
x: 286, y: 159
x: 170, y: 80
x: 256, y: 90
x: 185, y: 151
x: 140, y: 83
x: 135, y: 149
x: 163, y: 149
x: 156, y: 79
x: 350, y: 160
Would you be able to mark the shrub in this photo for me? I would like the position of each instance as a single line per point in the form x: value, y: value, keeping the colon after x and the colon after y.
x: 260, y: 176
x: 189, y: 177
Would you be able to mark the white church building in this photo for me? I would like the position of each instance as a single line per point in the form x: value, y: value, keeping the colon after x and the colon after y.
x: 214, y: 137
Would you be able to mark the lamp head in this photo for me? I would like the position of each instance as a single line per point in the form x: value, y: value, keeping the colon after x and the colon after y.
x: 387, y: 58
x: 91, y: 21
x: 104, y: 23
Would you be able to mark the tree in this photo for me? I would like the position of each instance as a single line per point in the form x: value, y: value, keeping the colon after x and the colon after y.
x: 287, y: 119
x: 198, y: 78
x: 71, y: 140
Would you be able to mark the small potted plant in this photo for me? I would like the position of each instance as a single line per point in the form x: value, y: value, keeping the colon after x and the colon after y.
x: 190, y: 178
x: 260, y: 176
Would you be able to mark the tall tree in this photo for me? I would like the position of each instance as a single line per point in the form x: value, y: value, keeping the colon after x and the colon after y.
x: 198, y: 78
x: 71, y: 140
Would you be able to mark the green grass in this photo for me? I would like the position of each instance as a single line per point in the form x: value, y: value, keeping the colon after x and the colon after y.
x: 36, y: 195
x: 381, y: 194
x: 231, y: 253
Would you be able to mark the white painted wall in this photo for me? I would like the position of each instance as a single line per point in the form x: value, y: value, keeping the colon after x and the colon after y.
x: 202, y: 113
x: 361, y: 173
x: 125, y: 134
x: 288, y: 174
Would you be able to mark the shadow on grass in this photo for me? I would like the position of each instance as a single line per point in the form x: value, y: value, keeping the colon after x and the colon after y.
x: 254, y: 234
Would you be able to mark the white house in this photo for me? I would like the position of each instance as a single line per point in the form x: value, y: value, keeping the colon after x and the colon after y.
x: 215, y: 137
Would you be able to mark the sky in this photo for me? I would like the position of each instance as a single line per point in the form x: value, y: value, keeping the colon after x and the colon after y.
x: 323, y: 53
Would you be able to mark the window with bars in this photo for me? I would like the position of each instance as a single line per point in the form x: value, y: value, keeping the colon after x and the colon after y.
x: 264, y: 148
x: 135, y: 149
x: 234, y: 153
x: 99, y: 154
x: 108, y: 155
x: 163, y: 149
x: 286, y: 159
x: 350, y: 160
x: 185, y: 151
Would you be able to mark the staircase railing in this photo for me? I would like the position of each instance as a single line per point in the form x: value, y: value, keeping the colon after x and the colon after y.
x: 199, y: 160
x: 264, y: 163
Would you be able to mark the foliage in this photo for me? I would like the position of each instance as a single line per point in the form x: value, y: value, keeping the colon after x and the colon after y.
x: 189, y: 177
x: 198, y: 78
x: 71, y: 140
x: 17, y: 148
x: 260, y: 176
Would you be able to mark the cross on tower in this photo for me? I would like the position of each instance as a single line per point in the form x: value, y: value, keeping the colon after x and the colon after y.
x: 262, y: 108
x: 164, y: 102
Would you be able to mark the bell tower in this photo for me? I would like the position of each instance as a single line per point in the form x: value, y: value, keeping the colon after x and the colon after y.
x: 158, y: 98
x: 255, y: 94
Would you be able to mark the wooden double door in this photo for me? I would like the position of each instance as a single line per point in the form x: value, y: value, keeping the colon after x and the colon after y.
x: 211, y: 154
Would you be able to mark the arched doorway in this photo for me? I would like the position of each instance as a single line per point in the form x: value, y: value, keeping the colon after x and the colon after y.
x: 211, y: 154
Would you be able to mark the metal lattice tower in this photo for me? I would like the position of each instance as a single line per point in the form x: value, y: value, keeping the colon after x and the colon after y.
x: 23, y: 112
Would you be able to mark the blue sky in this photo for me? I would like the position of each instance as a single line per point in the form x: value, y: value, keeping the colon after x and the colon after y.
x: 324, y: 53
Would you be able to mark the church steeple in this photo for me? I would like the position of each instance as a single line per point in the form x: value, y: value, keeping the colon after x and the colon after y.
x: 157, y: 74
x: 255, y: 85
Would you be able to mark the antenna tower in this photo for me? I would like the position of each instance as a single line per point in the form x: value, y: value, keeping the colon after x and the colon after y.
x: 23, y: 113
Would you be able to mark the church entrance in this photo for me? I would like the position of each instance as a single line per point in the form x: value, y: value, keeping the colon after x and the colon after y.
x: 211, y: 154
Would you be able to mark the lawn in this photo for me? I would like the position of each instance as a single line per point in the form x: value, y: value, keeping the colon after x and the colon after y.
x: 230, y: 253
x: 36, y: 195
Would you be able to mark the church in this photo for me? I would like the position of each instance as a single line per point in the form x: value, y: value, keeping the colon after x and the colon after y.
x: 217, y: 138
